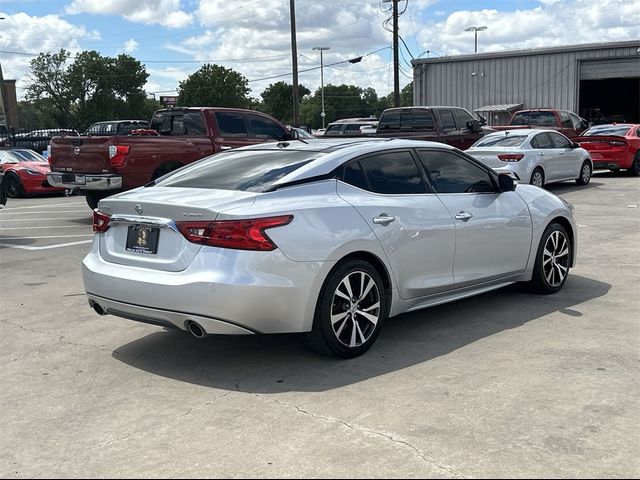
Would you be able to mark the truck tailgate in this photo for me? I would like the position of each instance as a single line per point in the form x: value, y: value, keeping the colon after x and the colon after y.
x: 81, y: 154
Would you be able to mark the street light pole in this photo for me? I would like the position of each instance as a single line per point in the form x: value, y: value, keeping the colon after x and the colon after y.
x: 322, y: 80
x: 476, y: 30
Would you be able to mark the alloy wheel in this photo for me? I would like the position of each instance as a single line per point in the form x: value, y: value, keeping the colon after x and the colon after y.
x: 537, y: 179
x: 555, y: 258
x: 586, y: 173
x: 355, y: 309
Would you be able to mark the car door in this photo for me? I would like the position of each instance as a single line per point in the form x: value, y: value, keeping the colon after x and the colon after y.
x: 232, y: 131
x: 568, y: 159
x: 410, y: 222
x: 545, y: 151
x: 467, y: 136
x: 262, y: 129
x: 493, y: 229
x: 450, y: 133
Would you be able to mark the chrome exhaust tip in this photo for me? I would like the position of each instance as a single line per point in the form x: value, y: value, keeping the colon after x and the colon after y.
x: 195, y: 329
x: 98, y: 309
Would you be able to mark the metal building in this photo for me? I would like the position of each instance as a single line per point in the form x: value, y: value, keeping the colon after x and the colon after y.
x: 590, y: 80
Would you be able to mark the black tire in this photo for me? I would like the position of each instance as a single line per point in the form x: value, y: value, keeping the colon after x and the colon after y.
x: 13, y: 186
x: 584, y: 177
x: 352, y: 334
x: 93, y: 198
x: 553, y: 260
x: 634, y: 170
x: 533, y: 180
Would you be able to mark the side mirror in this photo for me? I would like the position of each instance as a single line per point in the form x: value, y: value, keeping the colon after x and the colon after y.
x: 473, y: 126
x: 575, y: 145
x: 506, y: 182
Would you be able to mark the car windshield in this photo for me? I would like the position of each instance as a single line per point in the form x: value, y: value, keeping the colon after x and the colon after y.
x: 15, y: 156
x: 614, y: 130
x: 501, y: 141
x: 251, y: 171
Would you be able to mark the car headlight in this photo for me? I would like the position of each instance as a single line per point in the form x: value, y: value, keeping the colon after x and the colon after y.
x: 32, y: 172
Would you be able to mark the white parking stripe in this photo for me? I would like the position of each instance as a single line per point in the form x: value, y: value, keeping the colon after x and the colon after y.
x: 48, y: 247
x: 47, y: 236
x: 48, y: 205
x: 33, y: 219
x: 83, y: 210
x: 50, y: 226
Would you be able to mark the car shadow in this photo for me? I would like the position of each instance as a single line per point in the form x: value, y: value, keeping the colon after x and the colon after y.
x: 283, y: 363
x: 15, y: 240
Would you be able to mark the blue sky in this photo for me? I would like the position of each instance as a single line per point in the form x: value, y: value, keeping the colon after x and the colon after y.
x: 173, y: 37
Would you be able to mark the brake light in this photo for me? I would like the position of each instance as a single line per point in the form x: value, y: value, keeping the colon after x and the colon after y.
x: 117, y: 154
x: 237, y: 234
x: 100, y: 221
x: 511, y: 157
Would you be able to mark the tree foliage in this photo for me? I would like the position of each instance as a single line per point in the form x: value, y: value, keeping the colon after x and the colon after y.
x: 88, y: 88
x: 214, y: 86
x: 277, y: 100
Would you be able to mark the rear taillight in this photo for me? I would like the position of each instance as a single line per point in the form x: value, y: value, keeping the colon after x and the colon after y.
x: 117, y: 154
x: 237, y: 234
x: 100, y: 221
x: 511, y: 157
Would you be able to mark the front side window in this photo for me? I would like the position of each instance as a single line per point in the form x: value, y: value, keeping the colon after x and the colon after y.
x: 450, y: 173
x: 352, y: 128
x: 193, y: 124
x: 393, y: 173
x: 231, y: 125
x: 265, y: 128
x: 566, y: 120
x: 462, y: 117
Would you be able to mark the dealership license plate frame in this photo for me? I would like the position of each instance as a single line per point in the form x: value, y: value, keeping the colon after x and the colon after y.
x: 143, y: 239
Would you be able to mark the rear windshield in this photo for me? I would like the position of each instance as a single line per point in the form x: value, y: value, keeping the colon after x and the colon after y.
x: 501, y: 141
x: 406, y: 120
x: 250, y: 171
x: 16, y: 156
x: 540, y: 119
x: 615, y: 130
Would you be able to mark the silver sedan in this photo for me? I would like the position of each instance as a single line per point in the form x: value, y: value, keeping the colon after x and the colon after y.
x: 327, y: 238
x: 536, y: 156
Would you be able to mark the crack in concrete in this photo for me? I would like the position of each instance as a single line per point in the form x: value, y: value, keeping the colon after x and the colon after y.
x: 355, y: 428
x: 61, y: 338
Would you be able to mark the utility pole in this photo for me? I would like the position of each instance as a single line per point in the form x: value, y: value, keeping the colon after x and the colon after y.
x: 322, y: 114
x: 396, y: 73
x: 294, y: 55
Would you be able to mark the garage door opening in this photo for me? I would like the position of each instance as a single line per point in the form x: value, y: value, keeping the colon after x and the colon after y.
x: 612, y: 99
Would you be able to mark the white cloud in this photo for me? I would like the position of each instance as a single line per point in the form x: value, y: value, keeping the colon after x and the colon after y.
x: 167, y: 13
x: 130, y: 46
x: 24, y: 33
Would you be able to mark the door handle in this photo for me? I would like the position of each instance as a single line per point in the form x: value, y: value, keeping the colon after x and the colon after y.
x: 541, y: 154
x: 383, y: 219
x: 464, y: 216
x: 225, y: 147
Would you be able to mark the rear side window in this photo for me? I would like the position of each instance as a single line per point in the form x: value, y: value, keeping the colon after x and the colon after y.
x: 560, y: 141
x: 265, y: 128
x: 352, y: 128
x: 231, y: 125
x: 390, y: 120
x: 393, y: 173
x: 446, y: 120
x: 252, y: 171
x: 333, y: 130
x: 353, y: 175
x: 541, y: 140
x: 453, y: 174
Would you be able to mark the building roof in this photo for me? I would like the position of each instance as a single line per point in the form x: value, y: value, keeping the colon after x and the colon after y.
x: 508, y: 107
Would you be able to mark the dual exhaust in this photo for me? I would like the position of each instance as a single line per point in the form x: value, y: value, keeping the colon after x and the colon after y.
x: 192, y: 327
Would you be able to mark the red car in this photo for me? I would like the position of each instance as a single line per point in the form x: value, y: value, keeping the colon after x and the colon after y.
x: 613, y: 146
x: 25, y: 172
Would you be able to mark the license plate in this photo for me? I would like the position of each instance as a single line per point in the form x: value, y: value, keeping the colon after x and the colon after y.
x: 141, y: 239
x: 80, y: 179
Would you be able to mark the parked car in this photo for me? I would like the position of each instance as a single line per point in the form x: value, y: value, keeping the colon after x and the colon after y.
x: 321, y: 237
x: 451, y: 125
x: 538, y: 157
x: 302, y: 133
x: 563, y: 121
x: 3, y: 194
x: 25, y: 172
x: 349, y: 127
x: 37, y: 140
x: 99, y: 166
x: 116, y: 127
x: 615, y: 146
x: 596, y: 117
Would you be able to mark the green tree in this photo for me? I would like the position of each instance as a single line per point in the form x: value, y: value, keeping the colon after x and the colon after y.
x: 277, y: 99
x: 214, y: 86
x: 88, y: 89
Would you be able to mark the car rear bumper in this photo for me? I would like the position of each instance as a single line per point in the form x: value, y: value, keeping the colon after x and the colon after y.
x: 261, y: 292
x: 85, y: 182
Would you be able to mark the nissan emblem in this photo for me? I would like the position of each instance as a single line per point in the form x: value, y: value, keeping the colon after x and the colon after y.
x: 76, y: 150
x: 138, y: 209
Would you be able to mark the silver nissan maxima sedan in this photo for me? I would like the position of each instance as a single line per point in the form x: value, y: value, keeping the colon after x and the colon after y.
x: 324, y: 237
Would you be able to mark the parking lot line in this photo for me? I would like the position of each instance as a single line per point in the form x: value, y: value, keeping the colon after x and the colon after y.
x: 51, y: 236
x: 32, y: 219
x: 50, y: 226
x: 4, y: 212
x: 47, y: 247
x: 48, y: 205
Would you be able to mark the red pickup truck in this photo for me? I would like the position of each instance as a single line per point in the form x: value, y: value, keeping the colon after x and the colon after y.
x: 100, y: 166
x: 565, y: 122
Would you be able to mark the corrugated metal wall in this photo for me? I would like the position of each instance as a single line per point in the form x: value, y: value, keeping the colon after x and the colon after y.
x: 535, y: 78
